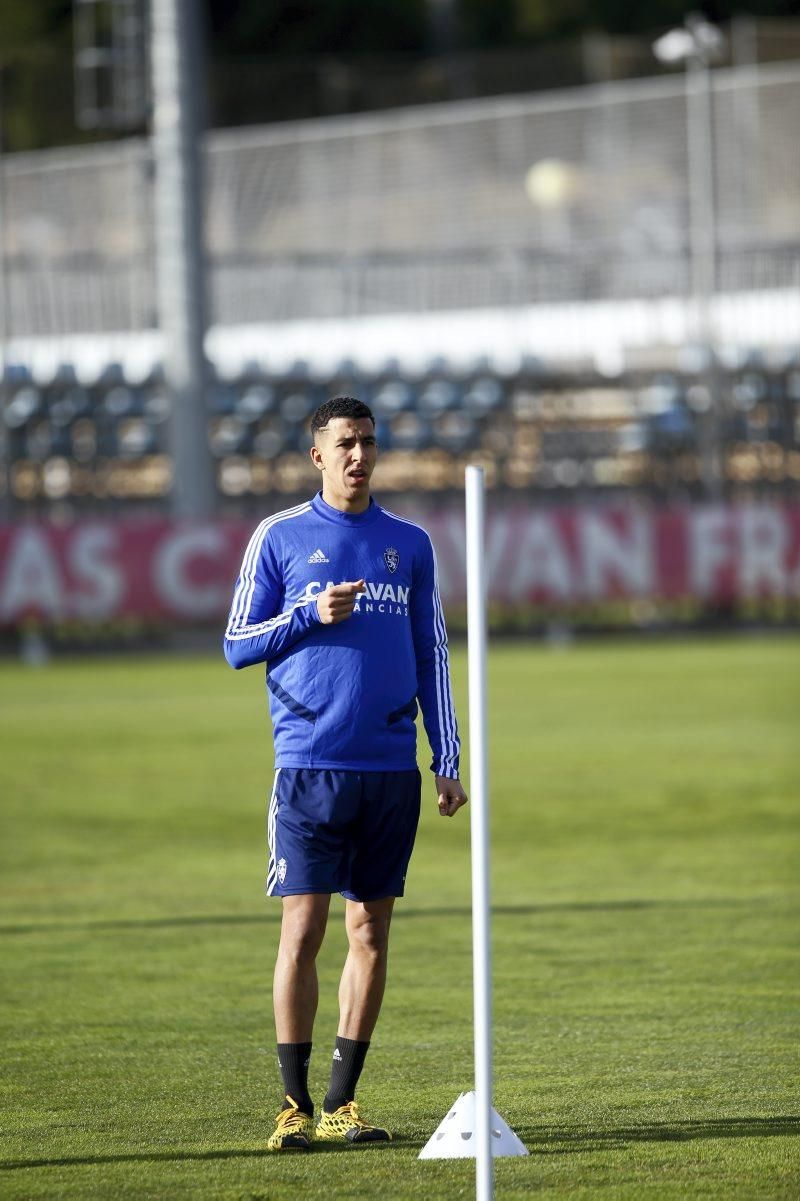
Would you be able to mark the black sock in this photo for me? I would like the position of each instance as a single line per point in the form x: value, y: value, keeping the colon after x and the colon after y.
x: 293, y: 1059
x: 348, y: 1060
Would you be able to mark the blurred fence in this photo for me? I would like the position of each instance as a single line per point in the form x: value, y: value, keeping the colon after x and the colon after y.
x: 573, y: 196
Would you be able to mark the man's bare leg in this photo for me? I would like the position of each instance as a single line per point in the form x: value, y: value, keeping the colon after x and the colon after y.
x: 295, y: 995
x: 295, y: 991
x: 360, y: 995
x: 364, y: 976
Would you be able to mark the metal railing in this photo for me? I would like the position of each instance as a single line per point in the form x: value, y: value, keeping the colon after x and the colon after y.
x: 570, y: 196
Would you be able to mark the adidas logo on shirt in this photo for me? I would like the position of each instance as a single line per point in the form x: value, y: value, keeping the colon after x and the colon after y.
x: 318, y: 557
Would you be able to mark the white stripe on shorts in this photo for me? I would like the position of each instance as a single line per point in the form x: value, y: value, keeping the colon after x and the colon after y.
x: 272, y: 817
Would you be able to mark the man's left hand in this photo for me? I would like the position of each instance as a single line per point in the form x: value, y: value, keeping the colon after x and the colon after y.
x: 451, y: 795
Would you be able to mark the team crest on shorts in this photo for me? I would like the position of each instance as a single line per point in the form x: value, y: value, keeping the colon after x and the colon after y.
x: 391, y: 559
x: 281, y: 870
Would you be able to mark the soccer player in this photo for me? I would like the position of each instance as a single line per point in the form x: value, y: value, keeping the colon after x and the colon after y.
x: 340, y: 598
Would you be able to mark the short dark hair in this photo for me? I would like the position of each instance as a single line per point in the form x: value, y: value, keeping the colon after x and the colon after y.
x: 339, y: 406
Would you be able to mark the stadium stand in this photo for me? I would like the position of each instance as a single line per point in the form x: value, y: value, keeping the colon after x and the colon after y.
x: 506, y: 281
x: 74, y: 445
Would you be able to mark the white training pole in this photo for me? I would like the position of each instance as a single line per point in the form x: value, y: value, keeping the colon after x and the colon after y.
x: 479, y: 806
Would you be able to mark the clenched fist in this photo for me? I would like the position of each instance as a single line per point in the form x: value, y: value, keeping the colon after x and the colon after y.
x: 451, y: 795
x: 336, y: 603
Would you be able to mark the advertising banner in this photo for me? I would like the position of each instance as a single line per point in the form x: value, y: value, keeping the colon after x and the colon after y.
x: 96, y: 571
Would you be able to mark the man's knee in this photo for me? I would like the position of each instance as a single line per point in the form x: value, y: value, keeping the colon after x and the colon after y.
x: 369, y: 934
x: 302, y: 931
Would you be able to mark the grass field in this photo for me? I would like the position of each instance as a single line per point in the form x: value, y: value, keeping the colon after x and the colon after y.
x: 645, y: 887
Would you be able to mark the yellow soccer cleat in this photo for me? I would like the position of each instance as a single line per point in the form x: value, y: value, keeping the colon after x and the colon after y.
x: 293, y: 1130
x: 345, y: 1126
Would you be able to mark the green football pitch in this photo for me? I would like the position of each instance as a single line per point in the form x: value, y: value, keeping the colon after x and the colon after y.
x: 645, y: 882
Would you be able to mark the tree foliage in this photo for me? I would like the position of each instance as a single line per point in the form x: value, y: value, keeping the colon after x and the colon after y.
x: 354, y: 26
x: 316, y: 26
x: 36, y: 52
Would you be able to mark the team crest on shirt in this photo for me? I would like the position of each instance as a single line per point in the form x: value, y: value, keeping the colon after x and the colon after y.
x: 281, y: 870
x: 391, y: 559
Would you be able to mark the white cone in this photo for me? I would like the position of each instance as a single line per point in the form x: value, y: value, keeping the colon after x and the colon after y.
x: 454, y: 1137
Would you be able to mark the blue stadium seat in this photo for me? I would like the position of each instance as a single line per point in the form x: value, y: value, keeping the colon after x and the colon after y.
x: 64, y: 376
x: 16, y: 375
x: 748, y: 390
x: 112, y: 376
x: 271, y: 439
x: 23, y: 406
x: 455, y: 432
x: 671, y: 431
x: 221, y: 400
x: 156, y: 403
x: 229, y: 435
x: 39, y: 440
x: 345, y: 375
x: 392, y: 396
x: 68, y: 405
x: 484, y: 395
x: 122, y: 401
x: 437, y: 396
x: 410, y: 431
x: 298, y: 405
x: 107, y: 445
x: 346, y: 385
x: 383, y: 433
x: 136, y: 438
x: 255, y: 401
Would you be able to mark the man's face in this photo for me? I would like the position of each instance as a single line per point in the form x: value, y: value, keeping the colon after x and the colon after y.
x: 345, y: 452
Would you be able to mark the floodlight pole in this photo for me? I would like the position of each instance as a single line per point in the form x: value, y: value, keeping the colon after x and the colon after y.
x: 703, y: 242
x: 6, y: 501
x: 180, y: 266
x: 479, y: 806
x: 697, y: 44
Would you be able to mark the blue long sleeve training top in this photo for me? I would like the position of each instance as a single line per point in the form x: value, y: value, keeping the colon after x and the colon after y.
x: 345, y: 696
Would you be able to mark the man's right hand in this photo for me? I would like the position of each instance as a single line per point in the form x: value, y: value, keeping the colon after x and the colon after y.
x: 336, y: 603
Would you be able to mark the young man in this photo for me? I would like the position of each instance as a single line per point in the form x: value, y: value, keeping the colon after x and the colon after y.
x: 340, y: 599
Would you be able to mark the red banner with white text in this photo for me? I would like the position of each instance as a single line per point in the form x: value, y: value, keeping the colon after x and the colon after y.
x: 565, y: 558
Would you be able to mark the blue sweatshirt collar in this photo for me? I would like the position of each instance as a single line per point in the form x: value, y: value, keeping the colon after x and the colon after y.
x: 323, y: 509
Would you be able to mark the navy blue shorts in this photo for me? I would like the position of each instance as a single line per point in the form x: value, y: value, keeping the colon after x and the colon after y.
x: 341, y: 831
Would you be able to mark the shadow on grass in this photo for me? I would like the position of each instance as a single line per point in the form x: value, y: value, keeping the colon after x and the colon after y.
x: 149, y: 923
x: 401, y: 914
x: 83, y: 1161
x: 555, y: 1140
x: 550, y: 1140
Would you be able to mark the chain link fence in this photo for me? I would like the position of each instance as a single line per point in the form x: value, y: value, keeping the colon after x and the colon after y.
x: 572, y: 196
